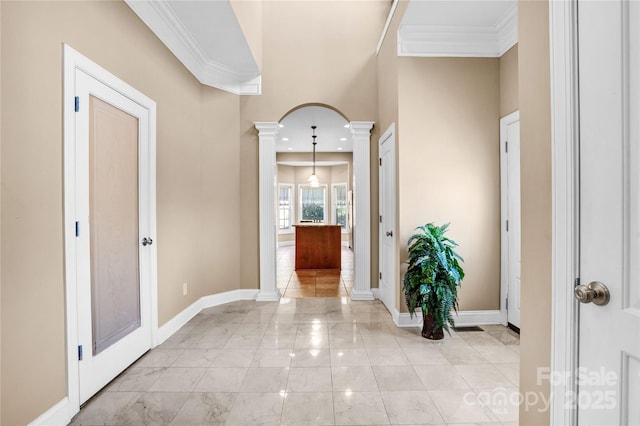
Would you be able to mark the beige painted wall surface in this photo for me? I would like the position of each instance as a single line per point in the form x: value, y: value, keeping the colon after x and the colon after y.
x: 196, y: 134
x: 449, y: 164
x: 312, y: 52
x: 509, y: 82
x: 535, y: 154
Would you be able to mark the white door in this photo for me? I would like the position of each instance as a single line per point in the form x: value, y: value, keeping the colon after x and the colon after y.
x: 510, y: 199
x: 112, y: 161
x: 609, y: 334
x: 387, y: 200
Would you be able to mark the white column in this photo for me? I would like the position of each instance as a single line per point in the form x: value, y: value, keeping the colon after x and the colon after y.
x: 267, y: 133
x: 361, y: 136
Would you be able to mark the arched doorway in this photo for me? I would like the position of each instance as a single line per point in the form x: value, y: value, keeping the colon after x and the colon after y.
x: 269, y: 143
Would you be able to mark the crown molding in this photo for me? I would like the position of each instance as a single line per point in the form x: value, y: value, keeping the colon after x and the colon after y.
x: 460, y: 41
x: 160, y: 18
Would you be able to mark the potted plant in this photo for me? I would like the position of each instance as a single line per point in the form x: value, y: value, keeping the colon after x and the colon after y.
x: 432, y: 279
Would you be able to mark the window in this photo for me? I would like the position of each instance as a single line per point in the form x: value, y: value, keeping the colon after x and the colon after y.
x: 313, y: 203
x: 285, y: 208
x: 340, y: 205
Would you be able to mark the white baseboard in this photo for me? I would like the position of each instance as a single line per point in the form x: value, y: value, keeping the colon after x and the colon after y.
x: 286, y: 243
x: 376, y: 292
x: 463, y: 319
x: 177, y: 322
x: 361, y: 294
x: 59, y: 414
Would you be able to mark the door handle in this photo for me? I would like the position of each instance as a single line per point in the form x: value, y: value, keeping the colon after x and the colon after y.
x: 595, y: 292
x: 147, y: 241
x: 389, y: 233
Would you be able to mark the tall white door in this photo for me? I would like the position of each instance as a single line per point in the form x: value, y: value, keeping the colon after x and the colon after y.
x: 510, y: 183
x: 609, y: 334
x: 113, y: 233
x: 387, y: 200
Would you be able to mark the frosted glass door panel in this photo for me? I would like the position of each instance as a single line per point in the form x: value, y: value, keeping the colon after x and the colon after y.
x: 113, y: 198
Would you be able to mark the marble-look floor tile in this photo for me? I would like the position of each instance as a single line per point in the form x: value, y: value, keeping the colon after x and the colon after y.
x: 359, y: 408
x: 510, y: 371
x: 460, y: 406
x: 221, y: 380
x: 344, y: 357
x: 309, y: 379
x: 152, y: 408
x: 159, y: 357
x: 482, y: 376
x: 177, y: 379
x: 386, y: 357
x: 310, y: 341
x: 277, y: 341
x: 205, y: 409
x: 397, y: 378
x: 429, y: 355
x: 243, y: 341
x: 135, y: 379
x: 103, y: 408
x: 498, y: 354
x: 353, y: 379
x: 503, y: 402
x: 196, y: 358
x: 309, y: 408
x: 462, y: 355
x: 311, y: 358
x: 253, y: 409
x: 233, y: 358
x: 440, y: 377
x: 265, y: 380
x: 406, y: 407
x: 272, y: 358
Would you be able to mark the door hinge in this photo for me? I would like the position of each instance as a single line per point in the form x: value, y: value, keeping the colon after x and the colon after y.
x: 79, y: 352
x: 380, y: 161
x: 507, y: 303
x: 506, y: 146
x: 380, y: 218
x: 77, y: 228
x: 577, y: 282
x: 507, y: 226
x: 77, y: 103
x: 380, y: 275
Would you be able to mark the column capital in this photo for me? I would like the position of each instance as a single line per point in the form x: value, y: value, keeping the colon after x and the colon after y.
x: 361, y: 128
x: 267, y: 128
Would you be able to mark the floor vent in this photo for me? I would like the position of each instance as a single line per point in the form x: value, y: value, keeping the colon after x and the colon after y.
x: 464, y: 329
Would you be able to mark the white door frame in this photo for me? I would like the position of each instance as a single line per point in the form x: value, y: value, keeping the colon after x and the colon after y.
x: 361, y: 136
x: 75, y: 61
x: 504, y: 235
x: 564, y: 142
x: 390, y: 133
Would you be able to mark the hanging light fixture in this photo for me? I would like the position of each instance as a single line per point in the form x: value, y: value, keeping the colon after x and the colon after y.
x: 313, y: 179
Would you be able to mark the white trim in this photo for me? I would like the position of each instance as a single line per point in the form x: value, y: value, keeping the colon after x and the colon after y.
x: 292, y: 208
x: 361, y: 136
x: 490, y: 41
x: 564, y: 132
x: 462, y: 319
x: 326, y: 211
x: 376, y: 293
x: 334, y: 216
x: 389, y: 136
x: 267, y: 134
x: 504, y: 235
x: 73, y: 61
x: 392, y: 12
x: 59, y: 414
x: 286, y: 243
x: 160, y: 17
x: 177, y: 322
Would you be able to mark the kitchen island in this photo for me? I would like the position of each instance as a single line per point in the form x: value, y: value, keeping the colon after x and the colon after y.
x: 318, y: 246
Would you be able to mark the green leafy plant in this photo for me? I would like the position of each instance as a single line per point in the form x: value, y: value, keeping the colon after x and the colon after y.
x: 434, y: 274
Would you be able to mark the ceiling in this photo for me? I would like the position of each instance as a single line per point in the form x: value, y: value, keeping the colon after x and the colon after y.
x: 207, y: 38
x: 295, y: 132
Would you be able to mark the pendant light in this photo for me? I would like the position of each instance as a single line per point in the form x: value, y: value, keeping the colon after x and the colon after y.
x: 313, y: 179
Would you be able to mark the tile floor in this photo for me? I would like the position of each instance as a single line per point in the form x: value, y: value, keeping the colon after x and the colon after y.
x: 313, y: 361
x: 313, y: 283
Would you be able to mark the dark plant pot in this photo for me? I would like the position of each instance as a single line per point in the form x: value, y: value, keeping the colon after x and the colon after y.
x: 429, y: 330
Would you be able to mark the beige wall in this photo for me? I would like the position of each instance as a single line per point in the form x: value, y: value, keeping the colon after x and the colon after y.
x: 313, y: 52
x: 509, y: 81
x: 449, y: 164
x: 197, y: 146
x: 535, y: 154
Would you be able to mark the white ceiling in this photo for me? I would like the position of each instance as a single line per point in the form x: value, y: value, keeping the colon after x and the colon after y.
x: 296, y: 127
x: 206, y: 37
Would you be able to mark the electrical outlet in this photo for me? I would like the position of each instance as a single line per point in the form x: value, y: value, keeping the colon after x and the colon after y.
x: 185, y: 290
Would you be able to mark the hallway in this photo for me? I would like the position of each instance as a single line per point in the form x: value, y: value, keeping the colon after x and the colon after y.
x: 313, y: 361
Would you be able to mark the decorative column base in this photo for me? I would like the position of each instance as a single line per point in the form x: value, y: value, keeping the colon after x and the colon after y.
x: 362, y: 294
x: 268, y: 296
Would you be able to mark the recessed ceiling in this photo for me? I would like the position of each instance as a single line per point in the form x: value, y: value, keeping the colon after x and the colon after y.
x: 295, y: 134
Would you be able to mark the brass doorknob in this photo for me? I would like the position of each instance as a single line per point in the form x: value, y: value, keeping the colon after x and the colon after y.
x: 595, y: 292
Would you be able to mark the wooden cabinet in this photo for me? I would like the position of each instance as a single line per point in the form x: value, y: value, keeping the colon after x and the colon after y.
x: 318, y: 247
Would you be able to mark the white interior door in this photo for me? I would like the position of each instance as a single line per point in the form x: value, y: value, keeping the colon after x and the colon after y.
x: 113, y: 216
x: 510, y: 200
x: 609, y: 335
x: 387, y: 200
